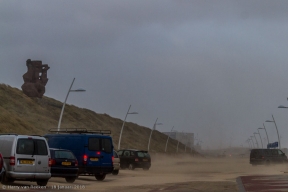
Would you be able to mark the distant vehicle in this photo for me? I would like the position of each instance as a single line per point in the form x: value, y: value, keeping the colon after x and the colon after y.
x: 64, y: 164
x: 267, y: 156
x: 133, y: 158
x: 1, y: 166
x: 93, y: 149
x: 116, y: 163
x: 25, y: 158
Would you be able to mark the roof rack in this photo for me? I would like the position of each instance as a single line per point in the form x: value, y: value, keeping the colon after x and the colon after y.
x: 80, y: 130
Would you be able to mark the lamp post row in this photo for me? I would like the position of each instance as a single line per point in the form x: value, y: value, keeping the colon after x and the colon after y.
x: 119, y: 142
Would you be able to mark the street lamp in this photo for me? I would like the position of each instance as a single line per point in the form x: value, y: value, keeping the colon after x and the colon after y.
x: 253, y: 141
x: 178, y: 144
x: 123, y: 125
x: 185, y: 140
x: 168, y: 139
x: 256, y: 140
x: 265, y: 131
x: 76, y: 90
x: 276, y: 130
x: 260, y: 137
x: 248, y: 141
x: 154, y: 128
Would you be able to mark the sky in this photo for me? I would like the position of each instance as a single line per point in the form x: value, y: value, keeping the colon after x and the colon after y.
x: 213, y: 68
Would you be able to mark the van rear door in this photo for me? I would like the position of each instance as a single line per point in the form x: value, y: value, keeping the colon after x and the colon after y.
x: 25, y: 160
x: 41, y: 156
x: 99, y: 151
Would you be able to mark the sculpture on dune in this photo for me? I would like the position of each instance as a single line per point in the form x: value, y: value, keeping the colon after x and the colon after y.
x: 35, y: 78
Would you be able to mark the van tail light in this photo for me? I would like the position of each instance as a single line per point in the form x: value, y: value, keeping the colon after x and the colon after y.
x: 85, y: 157
x: 52, y: 162
x: 263, y: 157
x: 76, y: 163
x: 12, y: 160
x: 112, y: 158
x: 98, y: 153
x: 136, y: 159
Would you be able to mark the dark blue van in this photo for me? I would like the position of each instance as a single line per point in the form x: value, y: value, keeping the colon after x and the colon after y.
x: 93, y: 149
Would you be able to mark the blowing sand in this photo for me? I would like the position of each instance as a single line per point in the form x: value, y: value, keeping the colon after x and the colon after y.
x: 182, y: 173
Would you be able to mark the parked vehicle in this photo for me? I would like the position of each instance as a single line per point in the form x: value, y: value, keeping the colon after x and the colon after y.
x: 1, y: 166
x: 93, y: 149
x: 267, y: 156
x: 64, y: 164
x: 133, y: 158
x: 25, y: 157
x: 116, y: 163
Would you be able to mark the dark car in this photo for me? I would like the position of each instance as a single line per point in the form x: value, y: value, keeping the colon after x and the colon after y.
x: 64, y: 164
x: 133, y: 158
x: 267, y: 156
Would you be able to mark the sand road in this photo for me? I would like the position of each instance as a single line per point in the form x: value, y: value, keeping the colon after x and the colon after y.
x: 166, y: 174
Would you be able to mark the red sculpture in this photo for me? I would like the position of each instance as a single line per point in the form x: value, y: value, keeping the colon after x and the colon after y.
x: 35, y: 78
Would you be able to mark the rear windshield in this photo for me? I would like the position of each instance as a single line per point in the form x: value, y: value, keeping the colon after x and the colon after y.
x: 143, y: 154
x: 64, y: 155
x: 100, y: 144
x: 31, y: 147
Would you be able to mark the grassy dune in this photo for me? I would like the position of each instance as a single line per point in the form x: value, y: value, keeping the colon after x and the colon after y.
x: 24, y: 115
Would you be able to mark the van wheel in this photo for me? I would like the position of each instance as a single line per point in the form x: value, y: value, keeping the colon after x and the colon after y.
x: 5, y: 180
x: 42, y: 182
x: 70, y: 179
x: 100, y: 177
x: 115, y: 172
x: 131, y: 167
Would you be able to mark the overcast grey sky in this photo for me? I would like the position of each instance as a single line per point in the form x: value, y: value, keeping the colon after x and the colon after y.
x: 214, y: 68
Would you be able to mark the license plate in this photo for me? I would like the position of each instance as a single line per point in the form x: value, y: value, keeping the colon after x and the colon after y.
x: 145, y: 159
x: 30, y: 162
x: 93, y: 159
x: 66, y: 163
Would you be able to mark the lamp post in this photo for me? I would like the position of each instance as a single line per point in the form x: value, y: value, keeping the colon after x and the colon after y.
x: 185, y: 140
x: 178, y: 144
x: 76, y: 90
x: 265, y: 131
x: 260, y: 137
x: 154, y: 127
x: 119, y: 142
x: 256, y: 140
x: 276, y: 130
x: 252, y: 141
x: 248, y: 141
x: 168, y: 139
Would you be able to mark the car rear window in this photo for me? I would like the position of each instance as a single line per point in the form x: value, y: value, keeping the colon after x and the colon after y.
x: 97, y: 144
x: 31, y: 147
x: 64, y: 155
x: 143, y: 154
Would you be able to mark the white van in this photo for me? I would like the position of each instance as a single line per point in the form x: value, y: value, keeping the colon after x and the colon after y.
x: 25, y: 158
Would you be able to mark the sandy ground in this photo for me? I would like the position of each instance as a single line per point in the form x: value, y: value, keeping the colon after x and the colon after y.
x: 170, y: 174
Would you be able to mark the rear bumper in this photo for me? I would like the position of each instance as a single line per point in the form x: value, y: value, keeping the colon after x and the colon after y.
x: 142, y: 165
x: 95, y: 170
x: 28, y: 176
x: 64, y: 172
